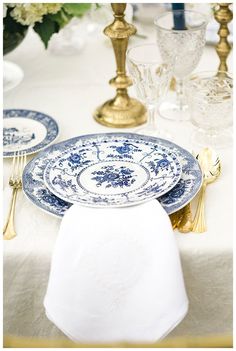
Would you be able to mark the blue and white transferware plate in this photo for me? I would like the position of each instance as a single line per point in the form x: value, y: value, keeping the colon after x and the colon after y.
x: 28, y: 131
x: 175, y: 199
x: 112, y: 170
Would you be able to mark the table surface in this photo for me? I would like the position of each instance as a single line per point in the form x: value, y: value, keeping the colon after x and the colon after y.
x: 69, y: 88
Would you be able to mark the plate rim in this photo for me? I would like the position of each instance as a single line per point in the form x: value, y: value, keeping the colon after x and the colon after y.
x: 10, y: 154
x: 48, y: 185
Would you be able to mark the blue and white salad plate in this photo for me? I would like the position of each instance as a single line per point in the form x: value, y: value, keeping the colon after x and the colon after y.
x: 26, y: 130
x: 36, y: 190
x: 112, y: 170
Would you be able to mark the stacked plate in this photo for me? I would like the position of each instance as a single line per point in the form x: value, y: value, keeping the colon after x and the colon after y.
x: 111, y: 170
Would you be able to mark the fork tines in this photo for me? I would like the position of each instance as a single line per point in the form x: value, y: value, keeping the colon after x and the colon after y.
x: 18, y: 165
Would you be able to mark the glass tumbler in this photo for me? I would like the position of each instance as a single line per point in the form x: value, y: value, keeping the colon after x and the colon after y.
x: 186, y: 45
x: 210, y: 97
x: 151, y: 77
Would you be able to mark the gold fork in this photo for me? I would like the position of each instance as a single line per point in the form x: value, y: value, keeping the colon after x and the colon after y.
x: 15, y: 181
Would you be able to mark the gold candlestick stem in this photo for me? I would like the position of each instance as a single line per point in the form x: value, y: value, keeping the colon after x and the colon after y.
x: 122, y: 111
x: 223, y: 15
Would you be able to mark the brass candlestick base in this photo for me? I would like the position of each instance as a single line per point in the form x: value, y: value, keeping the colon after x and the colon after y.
x: 122, y: 111
x: 223, y: 15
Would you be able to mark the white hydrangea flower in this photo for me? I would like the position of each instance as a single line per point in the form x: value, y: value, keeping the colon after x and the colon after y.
x: 52, y: 8
x: 28, y: 14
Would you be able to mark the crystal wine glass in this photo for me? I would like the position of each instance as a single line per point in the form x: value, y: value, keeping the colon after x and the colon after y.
x: 186, y: 44
x: 151, y: 77
x: 210, y: 96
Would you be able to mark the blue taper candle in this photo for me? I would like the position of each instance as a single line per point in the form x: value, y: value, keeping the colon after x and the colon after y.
x: 179, y: 20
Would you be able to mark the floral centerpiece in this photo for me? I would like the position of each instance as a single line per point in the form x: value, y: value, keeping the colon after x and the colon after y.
x: 45, y: 19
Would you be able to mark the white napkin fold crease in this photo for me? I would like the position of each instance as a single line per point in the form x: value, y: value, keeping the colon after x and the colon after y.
x: 116, y: 275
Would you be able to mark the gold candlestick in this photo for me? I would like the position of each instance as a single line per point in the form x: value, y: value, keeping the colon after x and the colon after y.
x: 223, y: 15
x: 122, y: 111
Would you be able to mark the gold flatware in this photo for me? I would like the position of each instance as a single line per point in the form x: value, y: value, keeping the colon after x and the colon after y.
x: 185, y: 224
x: 182, y: 219
x: 175, y: 218
x: 211, y: 168
x: 15, y: 181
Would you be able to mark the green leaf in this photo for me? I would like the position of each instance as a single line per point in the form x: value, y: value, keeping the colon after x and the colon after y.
x: 76, y: 10
x: 61, y: 18
x: 46, y: 29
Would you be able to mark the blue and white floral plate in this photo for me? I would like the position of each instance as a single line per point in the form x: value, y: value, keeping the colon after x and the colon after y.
x: 26, y: 130
x: 112, y: 170
x: 175, y: 199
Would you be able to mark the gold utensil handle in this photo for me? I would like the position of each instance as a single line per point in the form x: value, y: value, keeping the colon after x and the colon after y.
x: 199, y: 223
x: 175, y: 218
x: 9, y: 230
x: 182, y: 219
x: 186, y: 224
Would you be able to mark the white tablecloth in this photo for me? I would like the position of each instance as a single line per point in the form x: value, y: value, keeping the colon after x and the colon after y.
x: 69, y: 88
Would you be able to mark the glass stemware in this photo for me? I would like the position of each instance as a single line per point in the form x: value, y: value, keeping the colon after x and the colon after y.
x: 186, y: 45
x: 210, y: 96
x: 151, y: 77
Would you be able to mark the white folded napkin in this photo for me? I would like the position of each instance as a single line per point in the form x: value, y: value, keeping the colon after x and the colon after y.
x: 116, y: 275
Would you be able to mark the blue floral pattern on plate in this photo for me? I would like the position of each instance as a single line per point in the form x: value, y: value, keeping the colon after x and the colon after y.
x: 94, y: 169
x: 35, y: 189
x: 114, y: 176
x: 19, y: 135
